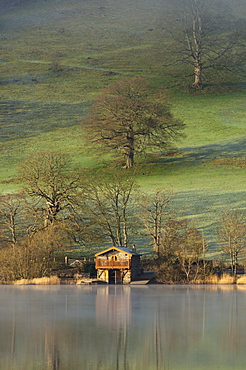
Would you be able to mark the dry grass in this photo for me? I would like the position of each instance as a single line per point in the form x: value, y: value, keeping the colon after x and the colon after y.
x: 226, y: 279
x: 53, y: 280
x: 215, y: 279
x: 241, y: 280
x: 22, y: 282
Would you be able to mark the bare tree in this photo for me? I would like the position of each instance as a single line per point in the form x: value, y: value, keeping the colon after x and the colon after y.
x: 48, y: 177
x: 155, y: 209
x: 232, y: 237
x: 206, y: 36
x: 190, y: 251
x: 109, y: 205
x: 181, y: 252
x: 11, y: 213
x: 170, y: 239
x: 130, y: 116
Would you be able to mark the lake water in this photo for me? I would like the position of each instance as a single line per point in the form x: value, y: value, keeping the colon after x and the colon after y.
x: 122, y: 327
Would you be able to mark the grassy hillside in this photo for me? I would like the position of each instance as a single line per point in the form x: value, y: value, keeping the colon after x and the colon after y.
x: 57, y: 55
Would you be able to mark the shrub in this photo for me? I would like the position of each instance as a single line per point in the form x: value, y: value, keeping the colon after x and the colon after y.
x: 169, y: 273
x: 89, y: 267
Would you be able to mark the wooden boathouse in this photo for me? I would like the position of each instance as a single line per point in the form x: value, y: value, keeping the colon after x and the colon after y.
x: 117, y: 265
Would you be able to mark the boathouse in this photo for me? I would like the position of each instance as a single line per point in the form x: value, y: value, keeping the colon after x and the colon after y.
x: 117, y: 265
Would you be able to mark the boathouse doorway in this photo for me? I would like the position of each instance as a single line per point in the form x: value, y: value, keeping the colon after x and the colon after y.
x: 115, y: 277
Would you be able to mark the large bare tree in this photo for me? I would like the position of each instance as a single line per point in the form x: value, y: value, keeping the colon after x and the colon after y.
x: 206, y: 36
x: 130, y: 116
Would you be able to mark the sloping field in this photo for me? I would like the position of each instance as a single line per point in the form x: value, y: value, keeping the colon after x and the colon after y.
x: 57, y: 55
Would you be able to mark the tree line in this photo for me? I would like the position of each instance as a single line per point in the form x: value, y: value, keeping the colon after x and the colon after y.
x: 60, y: 208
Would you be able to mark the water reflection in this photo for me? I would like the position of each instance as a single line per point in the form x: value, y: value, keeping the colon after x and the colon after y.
x: 122, y: 327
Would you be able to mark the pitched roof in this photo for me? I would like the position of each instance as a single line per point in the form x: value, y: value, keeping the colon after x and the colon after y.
x: 120, y: 249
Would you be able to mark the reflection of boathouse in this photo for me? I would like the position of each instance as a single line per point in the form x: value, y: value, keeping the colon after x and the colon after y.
x: 117, y: 265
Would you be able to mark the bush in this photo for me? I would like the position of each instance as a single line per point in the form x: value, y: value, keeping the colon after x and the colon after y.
x: 170, y: 274
x: 89, y: 267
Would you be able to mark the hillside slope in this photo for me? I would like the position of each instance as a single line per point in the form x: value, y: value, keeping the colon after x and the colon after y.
x: 56, y: 56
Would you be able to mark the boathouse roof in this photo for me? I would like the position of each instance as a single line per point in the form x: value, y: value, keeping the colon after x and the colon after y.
x: 120, y: 249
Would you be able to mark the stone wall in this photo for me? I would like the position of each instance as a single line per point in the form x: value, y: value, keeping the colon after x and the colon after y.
x: 127, y: 277
x: 102, y: 275
x: 135, y: 267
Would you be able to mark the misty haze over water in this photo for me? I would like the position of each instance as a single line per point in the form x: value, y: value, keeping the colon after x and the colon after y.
x: 122, y: 327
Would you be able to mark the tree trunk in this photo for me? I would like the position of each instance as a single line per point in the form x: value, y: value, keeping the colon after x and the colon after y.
x: 12, y: 227
x: 197, y: 27
x: 53, y: 208
x: 234, y: 264
x: 197, y: 75
x: 129, y: 153
x: 129, y: 149
x: 125, y: 234
x: 118, y: 228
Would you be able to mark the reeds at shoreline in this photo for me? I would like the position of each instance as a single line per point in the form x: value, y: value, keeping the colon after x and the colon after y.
x: 225, y: 279
x: 52, y: 280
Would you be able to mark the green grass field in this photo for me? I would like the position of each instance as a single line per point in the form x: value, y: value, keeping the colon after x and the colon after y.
x: 57, y: 55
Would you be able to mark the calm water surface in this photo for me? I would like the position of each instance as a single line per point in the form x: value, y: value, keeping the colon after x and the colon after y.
x: 122, y: 327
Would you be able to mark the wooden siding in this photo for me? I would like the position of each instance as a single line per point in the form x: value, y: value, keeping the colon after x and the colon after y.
x: 110, y: 264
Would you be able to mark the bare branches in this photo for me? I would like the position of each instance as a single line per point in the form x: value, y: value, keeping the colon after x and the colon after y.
x: 109, y: 205
x: 155, y: 209
x: 232, y: 236
x: 11, y: 209
x: 206, y: 37
x: 47, y: 177
x: 131, y: 117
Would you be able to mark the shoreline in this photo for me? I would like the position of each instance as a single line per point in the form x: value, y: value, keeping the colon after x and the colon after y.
x: 54, y: 280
